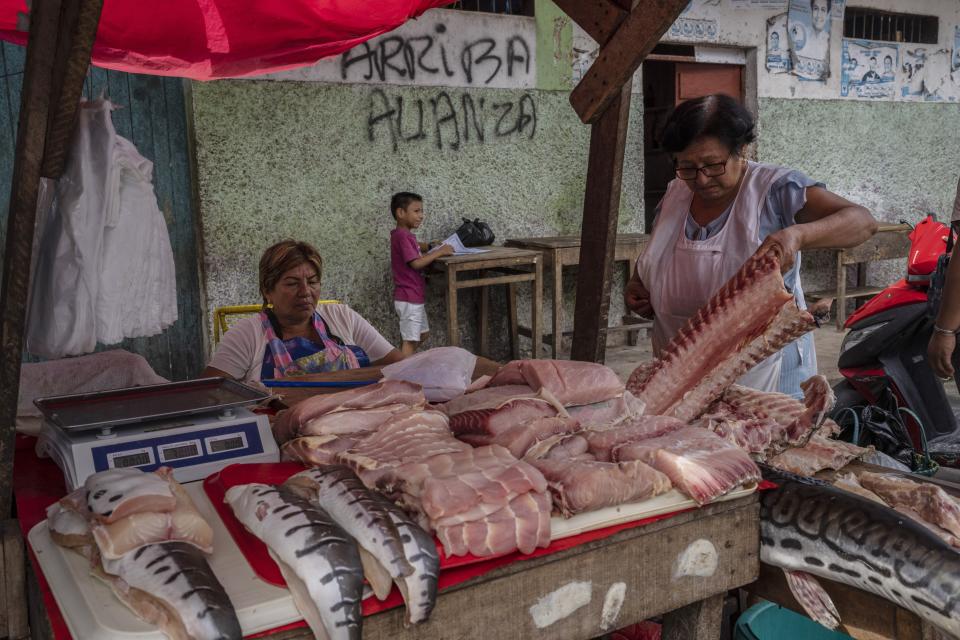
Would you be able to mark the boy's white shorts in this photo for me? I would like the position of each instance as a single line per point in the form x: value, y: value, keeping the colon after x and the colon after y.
x: 413, y: 320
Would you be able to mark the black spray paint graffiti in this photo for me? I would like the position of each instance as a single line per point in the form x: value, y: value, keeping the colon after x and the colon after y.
x: 450, y: 121
x: 480, y: 60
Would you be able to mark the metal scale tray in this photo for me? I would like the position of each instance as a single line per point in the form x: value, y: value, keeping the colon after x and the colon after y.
x: 134, y: 405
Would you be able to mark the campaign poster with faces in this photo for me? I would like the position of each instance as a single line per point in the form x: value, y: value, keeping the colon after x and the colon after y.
x: 869, y: 69
x: 778, y: 45
x: 808, y: 30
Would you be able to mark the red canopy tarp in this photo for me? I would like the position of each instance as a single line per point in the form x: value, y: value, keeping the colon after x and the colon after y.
x: 209, y: 39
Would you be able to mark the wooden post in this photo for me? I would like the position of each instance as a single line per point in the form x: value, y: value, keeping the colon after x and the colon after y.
x: 598, y: 235
x: 32, y: 148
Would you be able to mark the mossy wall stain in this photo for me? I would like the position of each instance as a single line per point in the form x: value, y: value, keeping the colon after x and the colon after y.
x: 292, y: 159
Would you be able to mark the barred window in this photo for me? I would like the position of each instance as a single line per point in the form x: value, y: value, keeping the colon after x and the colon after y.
x: 512, y: 7
x: 870, y: 24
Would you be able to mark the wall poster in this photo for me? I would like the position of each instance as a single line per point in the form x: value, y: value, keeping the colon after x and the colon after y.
x: 869, y: 69
x: 808, y: 27
x: 778, y: 44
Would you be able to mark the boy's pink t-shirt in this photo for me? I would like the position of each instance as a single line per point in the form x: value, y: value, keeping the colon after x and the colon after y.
x: 408, y: 283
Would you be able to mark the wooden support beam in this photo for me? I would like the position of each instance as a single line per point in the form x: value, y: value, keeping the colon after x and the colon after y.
x: 621, y: 56
x: 35, y: 108
x: 599, y: 18
x: 78, y: 28
x: 598, y: 235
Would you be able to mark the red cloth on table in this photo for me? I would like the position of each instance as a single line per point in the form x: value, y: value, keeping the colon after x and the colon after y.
x: 38, y: 483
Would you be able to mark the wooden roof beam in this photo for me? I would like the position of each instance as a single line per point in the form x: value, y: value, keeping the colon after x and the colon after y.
x: 78, y: 28
x: 622, y: 55
x: 32, y: 148
x: 599, y: 18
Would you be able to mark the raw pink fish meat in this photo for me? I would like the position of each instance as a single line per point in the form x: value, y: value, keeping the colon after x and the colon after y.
x: 740, y: 311
x: 698, y: 462
x: 571, y: 382
x: 486, y: 398
x: 290, y: 423
x: 577, y: 486
x: 817, y: 454
x: 351, y: 422
x: 510, y: 413
x: 601, y: 441
x: 607, y: 413
x: 932, y: 503
x: 316, y: 450
x: 183, y: 524
x: 571, y: 446
x: 117, y: 493
x: 520, y: 438
x: 523, y: 525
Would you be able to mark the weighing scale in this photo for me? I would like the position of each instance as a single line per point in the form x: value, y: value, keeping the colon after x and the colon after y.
x: 195, y: 427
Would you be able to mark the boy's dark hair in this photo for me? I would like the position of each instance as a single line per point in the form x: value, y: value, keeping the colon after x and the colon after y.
x: 717, y: 115
x: 402, y: 200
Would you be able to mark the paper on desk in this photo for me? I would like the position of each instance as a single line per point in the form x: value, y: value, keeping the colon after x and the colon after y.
x: 458, y: 248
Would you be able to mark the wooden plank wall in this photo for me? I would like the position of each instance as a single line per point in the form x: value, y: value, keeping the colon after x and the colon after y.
x: 153, y: 115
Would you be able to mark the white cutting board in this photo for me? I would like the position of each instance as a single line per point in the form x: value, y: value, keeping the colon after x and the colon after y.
x: 92, y: 611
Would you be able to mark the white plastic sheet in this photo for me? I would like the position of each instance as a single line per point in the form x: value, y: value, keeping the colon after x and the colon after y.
x: 104, y: 269
x: 444, y: 372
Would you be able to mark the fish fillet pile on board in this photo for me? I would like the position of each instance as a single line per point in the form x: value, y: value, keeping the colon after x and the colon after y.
x: 146, y: 540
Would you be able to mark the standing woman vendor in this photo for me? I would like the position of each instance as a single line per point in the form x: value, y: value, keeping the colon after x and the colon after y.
x: 717, y: 213
x: 292, y: 335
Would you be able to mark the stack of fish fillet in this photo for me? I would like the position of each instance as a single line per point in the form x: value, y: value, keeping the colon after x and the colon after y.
x: 144, y: 538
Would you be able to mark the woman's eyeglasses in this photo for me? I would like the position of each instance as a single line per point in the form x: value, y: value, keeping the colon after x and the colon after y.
x: 709, y: 170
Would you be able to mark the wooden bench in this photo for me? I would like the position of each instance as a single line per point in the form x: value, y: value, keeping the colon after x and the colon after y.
x: 890, y: 242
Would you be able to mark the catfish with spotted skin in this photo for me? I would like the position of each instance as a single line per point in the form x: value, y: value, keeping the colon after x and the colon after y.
x: 809, y: 528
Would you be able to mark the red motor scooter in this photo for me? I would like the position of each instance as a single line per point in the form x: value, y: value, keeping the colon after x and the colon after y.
x: 883, y: 357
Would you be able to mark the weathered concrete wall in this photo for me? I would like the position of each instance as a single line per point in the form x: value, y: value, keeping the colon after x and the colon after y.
x: 899, y: 160
x: 319, y: 162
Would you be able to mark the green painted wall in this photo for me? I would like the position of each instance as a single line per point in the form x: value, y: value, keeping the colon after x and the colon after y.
x: 554, y: 47
x: 900, y: 160
x: 281, y: 159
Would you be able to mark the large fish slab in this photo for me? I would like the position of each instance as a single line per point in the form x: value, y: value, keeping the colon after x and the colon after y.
x: 317, y: 558
x: 818, y: 454
x: 699, y: 463
x: 114, y: 494
x: 520, y: 438
x: 585, y: 485
x: 930, y: 501
x: 339, y: 492
x: 738, y: 312
x: 170, y: 584
x: 602, y: 441
x: 811, y: 528
x: 569, y: 381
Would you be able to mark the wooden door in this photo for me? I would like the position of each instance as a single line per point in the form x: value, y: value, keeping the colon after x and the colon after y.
x: 153, y: 115
x: 694, y: 80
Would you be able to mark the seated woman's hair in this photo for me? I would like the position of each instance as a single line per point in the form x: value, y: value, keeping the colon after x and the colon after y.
x: 283, y: 256
x: 719, y: 116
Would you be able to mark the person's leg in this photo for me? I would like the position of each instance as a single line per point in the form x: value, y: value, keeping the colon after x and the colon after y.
x: 409, y: 347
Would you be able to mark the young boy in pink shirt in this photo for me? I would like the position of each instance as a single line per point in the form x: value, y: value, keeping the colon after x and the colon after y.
x: 407, y: 260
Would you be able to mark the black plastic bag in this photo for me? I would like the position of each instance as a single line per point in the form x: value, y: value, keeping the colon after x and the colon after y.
x: 887, y: 433
x: 475, y: 233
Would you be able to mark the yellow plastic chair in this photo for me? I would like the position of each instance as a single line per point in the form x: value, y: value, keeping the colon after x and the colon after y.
x: 224, y: 317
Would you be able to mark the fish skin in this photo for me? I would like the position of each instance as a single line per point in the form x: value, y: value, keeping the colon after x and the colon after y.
x: 306, y: 540
x: 339, y: 492
x: 177, y: 575
x: 812, y: 527
x: 419, y: 589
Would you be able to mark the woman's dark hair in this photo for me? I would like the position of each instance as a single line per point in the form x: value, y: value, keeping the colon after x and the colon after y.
x: 719, y: 116
x: 279, y: 258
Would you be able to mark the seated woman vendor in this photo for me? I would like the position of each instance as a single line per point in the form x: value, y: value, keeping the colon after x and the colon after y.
x: 292, y: 335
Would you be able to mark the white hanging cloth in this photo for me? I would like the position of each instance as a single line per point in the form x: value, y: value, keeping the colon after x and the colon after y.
x: 104, y: 267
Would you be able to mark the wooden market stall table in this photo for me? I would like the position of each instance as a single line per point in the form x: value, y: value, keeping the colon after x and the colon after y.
x: 678, y: 565
x: 564, y: 251
x: 514, y: 266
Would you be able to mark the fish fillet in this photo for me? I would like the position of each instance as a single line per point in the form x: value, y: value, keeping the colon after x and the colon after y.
x: 818, y: 454
x: 117, y: 493
x: 930, y: 501
x: 520, y: 438
x: 602, y: 441
x: 587, y: 485
x: 740, y: 311
x: 571, y: 382
x: 698, y: 462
